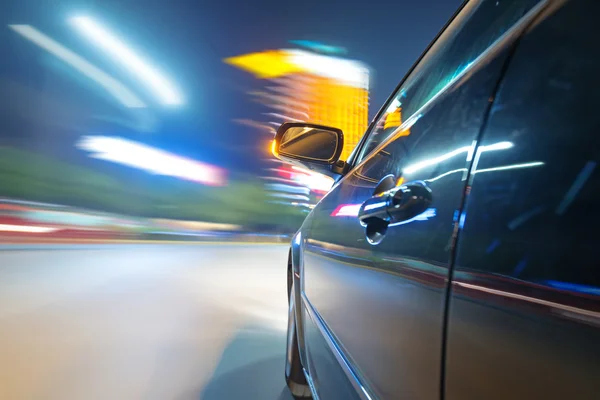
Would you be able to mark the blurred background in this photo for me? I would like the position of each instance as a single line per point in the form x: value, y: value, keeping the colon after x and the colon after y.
x: 148, y: 120
x: 143, y: 219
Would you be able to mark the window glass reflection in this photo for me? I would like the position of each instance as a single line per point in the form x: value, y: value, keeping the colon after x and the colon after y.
x: 482, y: 23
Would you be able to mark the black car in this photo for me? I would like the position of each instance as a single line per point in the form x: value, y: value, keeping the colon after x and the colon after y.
x: 457, y: 256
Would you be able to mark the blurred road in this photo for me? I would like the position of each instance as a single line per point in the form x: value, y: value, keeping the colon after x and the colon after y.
x: 128, y: 322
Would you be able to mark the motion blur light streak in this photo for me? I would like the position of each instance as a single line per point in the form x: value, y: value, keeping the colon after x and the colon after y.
x: 346, y: 210
x: 395, y: 104
x: 312, y: 180
x: 462, y: 219
x: 316, y: 88
x: 349, y: 72
x: 471, y: 151
x: 150, y: 159
x: 278, y: 63
x: 446, y: 174
x: 514, y: 166
x: 375, y: 205
x: 304, y: 205
x: 433, y: 161
x: 289, y: 196
x: 165, y: 91
x: 496, y: 146
x: 502, y: 168
x: 524, y: 217
x: 287, y: 188
x: 424, y: 216
x: 534, y: 300
x: 403, y: 127
x: 352, y: 210
x: 573, y: 287
x: 466, y: 149
x: 285, y: 118
x: 26, y: 229
x: 577, y: 185
x: 319, y: 47
x: 265, y: 65
x: 114, y: 87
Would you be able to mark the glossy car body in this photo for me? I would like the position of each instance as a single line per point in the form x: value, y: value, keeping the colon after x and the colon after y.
x: 493, y: 291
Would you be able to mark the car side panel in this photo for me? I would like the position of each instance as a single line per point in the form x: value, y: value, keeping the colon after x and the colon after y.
x: 384, y: 304
x: 329, y: 378
x: 524, y: 319
x: 326, y: 367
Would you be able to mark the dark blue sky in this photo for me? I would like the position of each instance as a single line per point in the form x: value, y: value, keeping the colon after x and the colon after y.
x: 188, y: 40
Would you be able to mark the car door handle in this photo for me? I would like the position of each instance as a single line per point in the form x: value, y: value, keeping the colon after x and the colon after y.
x: 398, y: 204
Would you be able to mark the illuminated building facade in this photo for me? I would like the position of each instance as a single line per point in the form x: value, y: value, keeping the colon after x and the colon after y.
x: 302, y: 86
x: 314, y: 88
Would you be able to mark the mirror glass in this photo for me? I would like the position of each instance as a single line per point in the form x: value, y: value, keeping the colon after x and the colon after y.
x: 309, y: 143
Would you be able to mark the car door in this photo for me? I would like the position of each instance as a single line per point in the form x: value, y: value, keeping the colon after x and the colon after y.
x: 524, y: 315
x: 374, y: 307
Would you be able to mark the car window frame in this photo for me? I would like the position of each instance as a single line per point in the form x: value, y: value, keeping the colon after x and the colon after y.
x: 352, y: 159
x: 516, y: 29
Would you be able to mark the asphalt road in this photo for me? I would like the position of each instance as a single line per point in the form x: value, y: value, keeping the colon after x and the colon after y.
x: 128, y: 322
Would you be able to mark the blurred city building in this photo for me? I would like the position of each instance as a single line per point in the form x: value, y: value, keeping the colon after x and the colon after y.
x: 306, y: 86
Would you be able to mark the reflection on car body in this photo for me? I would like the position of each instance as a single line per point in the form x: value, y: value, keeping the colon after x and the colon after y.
x: 488, y: 288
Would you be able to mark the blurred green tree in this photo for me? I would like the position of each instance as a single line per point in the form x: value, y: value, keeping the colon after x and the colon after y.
x: 31, y: 176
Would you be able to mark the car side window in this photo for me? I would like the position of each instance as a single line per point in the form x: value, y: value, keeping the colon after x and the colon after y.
x: 476, y: 27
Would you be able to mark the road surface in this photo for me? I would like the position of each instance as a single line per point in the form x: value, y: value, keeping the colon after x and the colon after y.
x: 128, y: 322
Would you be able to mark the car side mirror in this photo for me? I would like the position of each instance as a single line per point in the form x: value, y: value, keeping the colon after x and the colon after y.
x: 311, y: 146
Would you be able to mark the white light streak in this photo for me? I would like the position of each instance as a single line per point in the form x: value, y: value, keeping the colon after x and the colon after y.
x: 466, y: 149
x: 150, y: 159
x: 312, y: 180
x: 496, y: 146
x: 514, y: 166
x: 528, y: 299
x: 375, y: 205
x: 348, y: 210
x: 479, y: 171
x: 436, y: 160
x: 350, y: 72
x: 163, y: 89
x: 446, y: 174
x: 113, y: 86
x: 393, y: 106
x: 285, y: 118
x: 26, y: 229
x: 424, y: 216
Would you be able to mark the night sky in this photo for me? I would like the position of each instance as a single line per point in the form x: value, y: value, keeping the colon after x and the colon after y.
x: 187, y: 40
